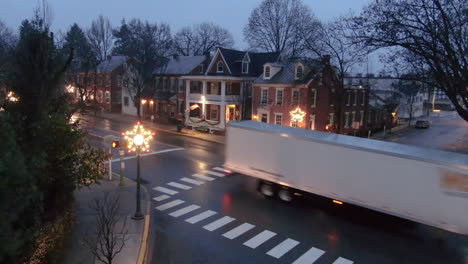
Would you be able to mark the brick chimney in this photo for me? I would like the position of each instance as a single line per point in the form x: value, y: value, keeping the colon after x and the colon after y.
x: 326, y: 59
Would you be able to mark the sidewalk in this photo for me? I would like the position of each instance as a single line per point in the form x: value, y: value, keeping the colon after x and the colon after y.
x: 76, y: 252
x: 131, y: 120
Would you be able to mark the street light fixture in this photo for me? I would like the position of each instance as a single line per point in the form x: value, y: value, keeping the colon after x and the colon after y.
x: 138, y: 141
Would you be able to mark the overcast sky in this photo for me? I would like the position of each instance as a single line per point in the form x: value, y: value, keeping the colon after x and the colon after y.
x: 230, y: 14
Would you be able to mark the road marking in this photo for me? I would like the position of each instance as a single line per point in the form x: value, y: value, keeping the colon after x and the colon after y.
x: 214, y: 173
x: 161, y: 198
x: 184, y: 210
x: 310, y: 256
x: 259, y: 239
x: 199, y: 217
x: 341, y: 260
x: 221, y: 169
x: 203, y: 177
x: 219, y: 223
x: 238, y: 231
x: 169, y: 205
x: 148, y: 154
x: 282, y: 248
x: 180, y: 186
x: 165, y: 190
x: 192, y: 181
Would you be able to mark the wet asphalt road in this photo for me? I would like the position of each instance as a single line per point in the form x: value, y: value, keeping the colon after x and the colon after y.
x: 310, y: 228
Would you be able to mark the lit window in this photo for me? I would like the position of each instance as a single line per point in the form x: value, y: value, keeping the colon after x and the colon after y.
x: 267, y: 72
x: 294, y: 123
x: 278, y: 119
x: 299, y: 70
x: 220, y: 67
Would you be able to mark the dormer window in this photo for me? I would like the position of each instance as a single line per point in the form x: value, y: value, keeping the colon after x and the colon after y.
x: 220, y: 67
x: 200, y: 68
x: 299, y: 71
x: 245, y: 67
x: 267, y: 72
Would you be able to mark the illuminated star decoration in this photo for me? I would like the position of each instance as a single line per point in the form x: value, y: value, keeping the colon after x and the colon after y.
x: 138, y: 138
x: 297, y: 115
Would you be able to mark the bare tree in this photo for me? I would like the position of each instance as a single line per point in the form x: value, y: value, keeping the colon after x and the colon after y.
x: 101, y: 37
x: 7, y: 42
x: 278, y: 26
x: 107, y: 239
x: 201, y: 38
x: 135, y: 82
x: 408, y: 88
x: 433, y: 32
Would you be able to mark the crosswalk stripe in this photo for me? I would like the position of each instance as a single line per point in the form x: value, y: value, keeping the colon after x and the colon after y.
x: 203, y: 177
x: 199, y: 217
x: 169, y: 205
x: 180, y: 186
x: 282, y: 248
x: 184, y: 210
x: 219, y: 223
x: 192, y: 181
x: 161, y: 197
x: 259, y: 239
x: 341, y: 260
x: 238, y: 231
x: 165, y: 190
x: 310, y: 256
x: 217, y: 174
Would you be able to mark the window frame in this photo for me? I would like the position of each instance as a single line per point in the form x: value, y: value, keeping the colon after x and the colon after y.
x: 279, y: 91
x: 264, y: 98
x: 294, y: 123
x: 267, y: 117
x: 331, y: 119
x: 346, y: 117
x: 280, y: 115
x: 267, y: 72
x: 301, y: 72
x: 361, y: 117
x: 298, y: 91
x: 363, y: 97
x: 312, y: 122
x: 245, y: 70
x: 220, y: 63
x: 314, y: 102
x: 355, y: 98
x: 107, y: 97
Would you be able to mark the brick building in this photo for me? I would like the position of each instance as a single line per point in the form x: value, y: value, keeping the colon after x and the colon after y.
x: 165, y: 100
x: 307, y: 94
x: 223, y: 92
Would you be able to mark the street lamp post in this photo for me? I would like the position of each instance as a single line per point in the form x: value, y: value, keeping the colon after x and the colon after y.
x: 138, y: 141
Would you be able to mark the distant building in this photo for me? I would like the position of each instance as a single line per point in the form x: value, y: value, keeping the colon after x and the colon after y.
x: 223, y: 93
x: 103, y: 87
x: 165, y: 99
x: 307, y: 94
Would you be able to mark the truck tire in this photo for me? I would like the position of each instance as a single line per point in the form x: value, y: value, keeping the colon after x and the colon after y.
x: 267, y: 189
x: 285, y: 195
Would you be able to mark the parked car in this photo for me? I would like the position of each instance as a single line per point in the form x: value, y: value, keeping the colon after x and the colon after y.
x: 422, y: 124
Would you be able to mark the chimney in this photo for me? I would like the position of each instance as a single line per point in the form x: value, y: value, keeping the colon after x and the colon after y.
x: 109, y: 57
x: 326, y: 59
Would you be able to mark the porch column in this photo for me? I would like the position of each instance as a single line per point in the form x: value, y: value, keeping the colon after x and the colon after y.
x: 203, y: 97
x: 187, y: 103
x: 222, y: 106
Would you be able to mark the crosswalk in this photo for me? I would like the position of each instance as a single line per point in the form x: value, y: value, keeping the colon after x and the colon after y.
x: 212, y: 220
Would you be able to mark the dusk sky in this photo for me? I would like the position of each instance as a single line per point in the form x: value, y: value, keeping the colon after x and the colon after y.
x: 232, y: 15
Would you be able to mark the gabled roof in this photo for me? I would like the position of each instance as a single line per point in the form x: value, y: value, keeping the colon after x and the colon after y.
x: 180, y: 65
x: 234, y: 58
x: 288, y: 70
x: 111, y: 63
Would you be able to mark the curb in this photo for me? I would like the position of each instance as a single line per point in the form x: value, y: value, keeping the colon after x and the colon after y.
x: 145, y: 236
x: 165, y: 130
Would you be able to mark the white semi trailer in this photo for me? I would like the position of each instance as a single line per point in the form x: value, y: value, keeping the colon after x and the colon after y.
x: 423, y: 185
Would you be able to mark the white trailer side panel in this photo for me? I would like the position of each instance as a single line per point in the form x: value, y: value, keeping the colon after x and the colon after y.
x: 411, y: 188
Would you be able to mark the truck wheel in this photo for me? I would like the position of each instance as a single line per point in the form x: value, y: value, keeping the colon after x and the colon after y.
x: 267, y: 189
x: 285, y: 195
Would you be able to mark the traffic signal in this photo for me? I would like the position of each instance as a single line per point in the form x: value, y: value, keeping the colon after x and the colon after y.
x: 115, y: 144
